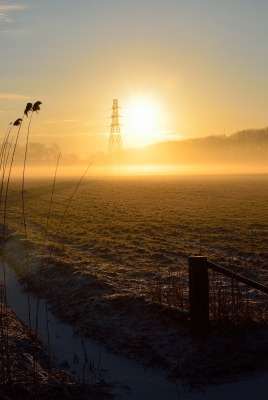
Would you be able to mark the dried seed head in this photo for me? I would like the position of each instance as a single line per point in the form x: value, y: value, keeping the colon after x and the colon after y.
x: 36, y: 106
x: 28, y: 108
x: 17, y: 122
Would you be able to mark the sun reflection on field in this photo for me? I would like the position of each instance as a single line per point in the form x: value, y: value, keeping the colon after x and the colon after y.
x: 142, y: 170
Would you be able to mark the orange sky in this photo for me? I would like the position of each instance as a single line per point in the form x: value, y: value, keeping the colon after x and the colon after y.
x: 198, y: 68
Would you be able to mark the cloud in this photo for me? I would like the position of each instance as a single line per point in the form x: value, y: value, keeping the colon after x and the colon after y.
x: 6, y: 9
x: 13, y: 96
x: 14, y: 33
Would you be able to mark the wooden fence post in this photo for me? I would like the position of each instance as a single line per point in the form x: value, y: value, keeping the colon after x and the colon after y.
x: 199, y: 295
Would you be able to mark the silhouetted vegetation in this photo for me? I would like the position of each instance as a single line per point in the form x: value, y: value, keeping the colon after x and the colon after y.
x: 244, y: 147
x: 250, y: 146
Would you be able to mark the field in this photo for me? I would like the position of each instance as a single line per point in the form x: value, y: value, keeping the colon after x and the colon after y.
x: 102, y: 264
x: 125, y: 226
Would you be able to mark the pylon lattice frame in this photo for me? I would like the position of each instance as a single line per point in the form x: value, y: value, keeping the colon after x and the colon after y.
x: 115, y: 139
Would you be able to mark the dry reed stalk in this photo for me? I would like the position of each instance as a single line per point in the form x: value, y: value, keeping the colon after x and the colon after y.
x: 24, y: 217
x: 18, y: 123
x: 4, y: 170
x: 4, y: 145
x: 65, y: 211
x: 44, y: 272
x: 29, y: 108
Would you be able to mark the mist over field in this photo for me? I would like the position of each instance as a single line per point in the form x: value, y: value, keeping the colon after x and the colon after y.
x: 244, y: 152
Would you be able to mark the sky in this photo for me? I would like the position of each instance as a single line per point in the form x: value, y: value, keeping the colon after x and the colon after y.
x: 179, y: 69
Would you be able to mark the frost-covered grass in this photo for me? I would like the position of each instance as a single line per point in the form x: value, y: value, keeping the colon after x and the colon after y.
x: 136, y: 234
x: 145, y: 224
x: 123, y: 245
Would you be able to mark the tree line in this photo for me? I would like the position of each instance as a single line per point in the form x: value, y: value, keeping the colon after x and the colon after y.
x: 247, y: 146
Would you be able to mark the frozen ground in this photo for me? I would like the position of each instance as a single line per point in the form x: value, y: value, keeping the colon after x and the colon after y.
x: 126, y: 378
x: 25, y: 370
x: 115, y: 241
x: 138, y: 381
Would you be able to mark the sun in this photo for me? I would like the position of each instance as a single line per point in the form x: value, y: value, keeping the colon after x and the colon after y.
x: 142, y: 121
x: 142, y: 118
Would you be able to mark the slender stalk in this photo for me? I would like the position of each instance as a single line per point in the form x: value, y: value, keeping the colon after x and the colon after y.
x: 4, y: 169
x: 29, y: 108
x: 43, y: 247
x: 4, y: 144
x: 5, y: 204
x: 41, y: 267
x: 2, y: 158
x: 4, y: 330
x: 70, y: 199
x: 49, y: 210
x: 3, y: 246
x: 24, y: 220
x: 177, y: 388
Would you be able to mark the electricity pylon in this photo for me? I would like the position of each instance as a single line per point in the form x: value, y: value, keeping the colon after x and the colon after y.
x: 115, y: 140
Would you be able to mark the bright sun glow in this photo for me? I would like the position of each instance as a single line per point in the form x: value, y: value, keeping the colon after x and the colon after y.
x: 142, y: 122
x: 142, y: 118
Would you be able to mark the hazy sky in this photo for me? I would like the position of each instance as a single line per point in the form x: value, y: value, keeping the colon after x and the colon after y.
x: 179, y: 68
